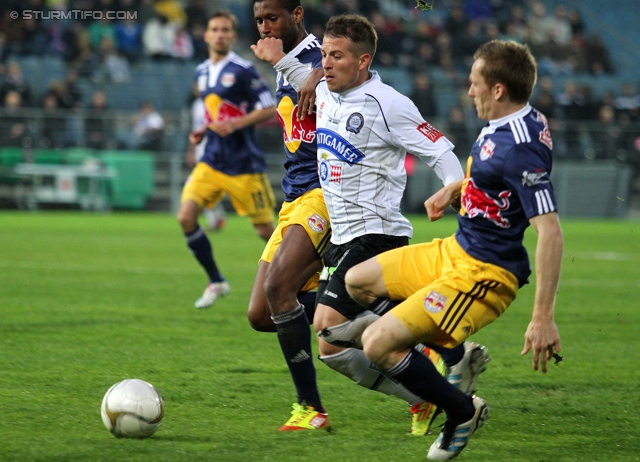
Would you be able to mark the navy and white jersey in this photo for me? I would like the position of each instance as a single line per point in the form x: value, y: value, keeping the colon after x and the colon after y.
x: 299, y: 136
x: 230, y: 89
x: 506, y: 184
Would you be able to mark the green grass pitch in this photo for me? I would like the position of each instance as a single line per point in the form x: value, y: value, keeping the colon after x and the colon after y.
x: 87, y: 300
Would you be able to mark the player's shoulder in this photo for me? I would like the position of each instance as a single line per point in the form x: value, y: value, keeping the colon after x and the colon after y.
x: 202, y: 67
x: 313, y: 46
x: 522, y: 136
x: 519, y: 127
x: 388, y: 98
x: 308, y: 49
x: 240, y: 61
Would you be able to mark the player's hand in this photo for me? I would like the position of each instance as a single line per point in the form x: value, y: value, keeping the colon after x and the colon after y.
x: 225, y: 128
x: 269, y: 49
x: 307, y: 93
x: 542, y: 336
x: 196, y: 136
x: 446, y: 196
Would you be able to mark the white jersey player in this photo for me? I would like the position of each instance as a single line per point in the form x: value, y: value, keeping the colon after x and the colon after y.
x: 363, y: 136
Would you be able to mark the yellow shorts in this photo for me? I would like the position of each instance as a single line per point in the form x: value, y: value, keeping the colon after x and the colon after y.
x: 443, y: 285
x: 310, y: 212
x: 250, y: 193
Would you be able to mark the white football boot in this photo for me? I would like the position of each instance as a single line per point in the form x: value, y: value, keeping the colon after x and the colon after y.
x: 454, y: 438
x: 213, y: 291
x: 464, y: 375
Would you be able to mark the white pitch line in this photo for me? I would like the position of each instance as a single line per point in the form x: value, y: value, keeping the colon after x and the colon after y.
x: 597, y: 284
x: 97, y: 269
x: 606, y: 256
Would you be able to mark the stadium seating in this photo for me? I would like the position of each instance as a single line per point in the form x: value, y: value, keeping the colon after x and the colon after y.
x: 10, y: 157
x: 47, y: 156
x: 617, y: 25
x: 134, y: 181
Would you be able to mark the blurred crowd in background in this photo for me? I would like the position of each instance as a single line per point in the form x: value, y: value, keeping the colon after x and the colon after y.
x: 432, y: 48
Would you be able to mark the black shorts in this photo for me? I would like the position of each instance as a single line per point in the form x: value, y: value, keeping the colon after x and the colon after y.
x: 337, y: 261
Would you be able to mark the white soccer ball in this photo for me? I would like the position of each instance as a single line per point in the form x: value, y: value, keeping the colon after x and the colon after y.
x: 132, y: 408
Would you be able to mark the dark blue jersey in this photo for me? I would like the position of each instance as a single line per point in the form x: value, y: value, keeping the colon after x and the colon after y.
x: 301, y: 164
x: 230, y: 89
x: 506, y: 183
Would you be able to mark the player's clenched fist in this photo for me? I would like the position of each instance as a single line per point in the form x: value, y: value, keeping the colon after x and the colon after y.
x: 269, y: 49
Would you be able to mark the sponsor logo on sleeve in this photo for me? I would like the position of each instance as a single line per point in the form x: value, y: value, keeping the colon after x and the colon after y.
x: 256, y: 84
x: 534, y: 178
x: 429, y: 131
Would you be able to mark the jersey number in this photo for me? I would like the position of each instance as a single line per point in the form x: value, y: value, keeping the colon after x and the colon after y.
x: 258, y: 200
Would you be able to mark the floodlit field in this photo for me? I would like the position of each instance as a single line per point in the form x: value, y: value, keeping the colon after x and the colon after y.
x: 87, y: 300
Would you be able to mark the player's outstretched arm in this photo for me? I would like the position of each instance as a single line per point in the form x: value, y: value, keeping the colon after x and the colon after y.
x: 542, y: 333
x: 307, y: 93
x: 446, y: 196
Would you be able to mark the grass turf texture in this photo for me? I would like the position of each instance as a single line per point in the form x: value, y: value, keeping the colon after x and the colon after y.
x: 88, y: 300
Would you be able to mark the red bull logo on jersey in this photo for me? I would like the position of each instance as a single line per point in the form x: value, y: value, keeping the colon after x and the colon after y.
x: 228, y: 79
x: 435, y: 302
x: 220, y: 110
x: 486, y: 151
x: 317, y: 223
x: 295, y: 131
x: 476, y: 202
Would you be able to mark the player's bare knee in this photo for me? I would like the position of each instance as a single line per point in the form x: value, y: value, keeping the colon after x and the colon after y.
x: 371, y: 346
x: 275, y: 289
x: 260, y: 324
x: 186, y: 220
x: 260, y: 320
x: 326, y: 349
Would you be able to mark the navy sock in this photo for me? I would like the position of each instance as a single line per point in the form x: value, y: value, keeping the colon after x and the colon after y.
x: 200, y: 247
x: 451, y: 356
x: 294, y: 336
x: 308, y: 300
x: 419, y: 376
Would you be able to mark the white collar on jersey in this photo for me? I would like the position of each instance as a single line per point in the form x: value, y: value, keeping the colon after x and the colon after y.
x: 302, y: 45
x: 493, y: 125
x: 514, y: 115
x: 374, y: 79
x: 223, y: 62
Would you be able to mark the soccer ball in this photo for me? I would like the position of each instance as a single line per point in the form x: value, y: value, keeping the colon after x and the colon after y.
x: 132, y: 408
